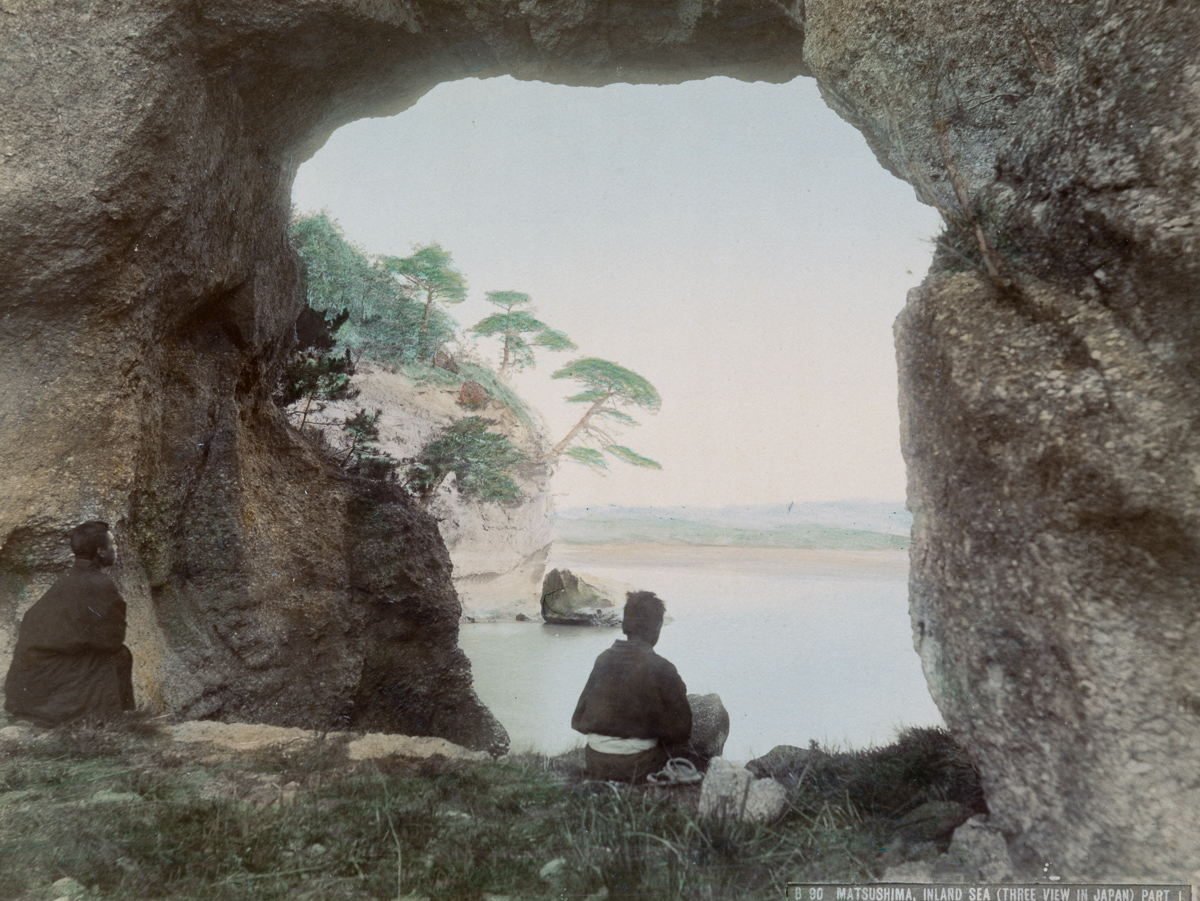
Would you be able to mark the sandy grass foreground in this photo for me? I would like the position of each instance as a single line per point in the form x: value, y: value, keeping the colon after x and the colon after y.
x: 132, y: 813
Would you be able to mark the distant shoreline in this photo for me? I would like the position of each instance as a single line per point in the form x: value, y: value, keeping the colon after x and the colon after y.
x: 836, y: 563
x: 844, y: 525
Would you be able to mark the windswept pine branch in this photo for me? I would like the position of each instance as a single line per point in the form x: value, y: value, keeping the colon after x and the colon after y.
x: 606, y: 388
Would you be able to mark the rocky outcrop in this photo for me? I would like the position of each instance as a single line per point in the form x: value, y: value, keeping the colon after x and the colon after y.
x: 146, y: 288
x: 498, y: 551
x: 572, y: 600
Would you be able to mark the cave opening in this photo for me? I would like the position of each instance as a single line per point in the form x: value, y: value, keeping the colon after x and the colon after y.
x: 637, y: 217
x: 738, y: 245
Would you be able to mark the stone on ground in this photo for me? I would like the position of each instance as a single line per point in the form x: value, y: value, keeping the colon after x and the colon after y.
x: 978, y: 853
x: 239, y: 736
x: 375, y: 744
x: 731, y: 792
x: 786, y: 763
x: 765, y: 802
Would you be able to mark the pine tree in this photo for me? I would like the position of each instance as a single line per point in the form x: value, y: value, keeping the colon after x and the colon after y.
x: 519, y: 331
x: 607, y: 388
x: 430, y: 271
x: 385, y: 322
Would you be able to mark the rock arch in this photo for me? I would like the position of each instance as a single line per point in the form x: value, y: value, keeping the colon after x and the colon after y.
x: 146, y: 157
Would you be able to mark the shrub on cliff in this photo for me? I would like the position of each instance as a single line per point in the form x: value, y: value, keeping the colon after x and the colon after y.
x: 385, y: 323
x: 482, y: 462
x: 315, y: 372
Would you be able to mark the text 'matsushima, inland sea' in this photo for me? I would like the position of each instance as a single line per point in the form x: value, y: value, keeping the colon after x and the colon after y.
x: 983, y: 891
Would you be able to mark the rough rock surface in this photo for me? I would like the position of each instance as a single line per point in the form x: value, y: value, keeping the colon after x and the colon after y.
x: 730, y: 791
x: 575, y: 600
x: 785, y: 763
x: 146, y: 156
x: 978, y: 852
x: 498, y: 551
x: 710, y: 728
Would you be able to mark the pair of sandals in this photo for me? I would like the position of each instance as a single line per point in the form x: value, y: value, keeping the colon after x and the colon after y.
x: 676, y: 771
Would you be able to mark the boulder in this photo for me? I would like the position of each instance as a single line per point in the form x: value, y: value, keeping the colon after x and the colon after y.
x: 933, y: 821
x: 473, y: 395
x: 443, y: 360
x: 730, y: 791
x: 978, y: 853
x: 724, y: 789
x: 572, y: 600
x: 710, y: 728
x: 765, y: 802
x: 785, y: 763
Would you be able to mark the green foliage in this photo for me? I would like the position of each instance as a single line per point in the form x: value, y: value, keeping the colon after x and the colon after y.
x: 315, y: 372
x: 385, y: 323
x: 626, y: 455
x: 606, y: 388
x: 316, y: 375
x: 588, y: 456
x: 519, y: 331
x: 430, y: 269
x: 604, y: 379
x: 482, y: 462
x: 363, y: 455
x: 430, y: 272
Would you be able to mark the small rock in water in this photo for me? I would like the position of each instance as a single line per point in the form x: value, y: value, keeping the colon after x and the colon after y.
x: 573, y: 600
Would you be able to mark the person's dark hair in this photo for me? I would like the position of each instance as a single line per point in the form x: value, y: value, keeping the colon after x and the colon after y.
x: 643, y: 614
x: 89, y: 538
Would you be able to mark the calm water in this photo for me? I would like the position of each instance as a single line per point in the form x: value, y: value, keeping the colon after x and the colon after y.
x: 799, y: 645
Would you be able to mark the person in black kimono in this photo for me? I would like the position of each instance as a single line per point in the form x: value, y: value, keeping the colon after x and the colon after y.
x: 70, y: 661
x: 634, y: 709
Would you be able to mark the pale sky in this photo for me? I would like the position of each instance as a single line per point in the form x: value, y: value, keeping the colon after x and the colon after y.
x: 736, y: 244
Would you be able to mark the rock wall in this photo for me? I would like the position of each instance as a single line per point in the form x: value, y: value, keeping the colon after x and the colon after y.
x: 146, y: 155
x: 1054, y: 463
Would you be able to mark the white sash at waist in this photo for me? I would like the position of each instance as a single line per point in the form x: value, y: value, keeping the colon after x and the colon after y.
x: 606, y: 744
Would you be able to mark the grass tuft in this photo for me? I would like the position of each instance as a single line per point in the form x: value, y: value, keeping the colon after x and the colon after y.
x: 129, y: 815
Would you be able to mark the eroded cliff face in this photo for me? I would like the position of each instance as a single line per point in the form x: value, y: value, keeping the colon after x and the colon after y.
x: 146, y: 286
x: 499, y: 551
x: 1054, y: 461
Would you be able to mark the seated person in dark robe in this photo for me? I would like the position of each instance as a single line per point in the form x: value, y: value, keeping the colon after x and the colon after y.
x: 70, y: 661
x: 634, y: 708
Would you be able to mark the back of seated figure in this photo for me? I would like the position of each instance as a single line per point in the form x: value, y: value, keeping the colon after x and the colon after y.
x: 70, y: 661
x: 634, y: 708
